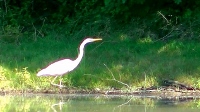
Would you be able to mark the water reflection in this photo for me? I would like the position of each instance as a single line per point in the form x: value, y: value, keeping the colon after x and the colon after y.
x: 57, y: 104
x: 96, y: 103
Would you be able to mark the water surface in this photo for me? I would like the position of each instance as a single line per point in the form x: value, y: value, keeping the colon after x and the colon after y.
x: 96, y: 103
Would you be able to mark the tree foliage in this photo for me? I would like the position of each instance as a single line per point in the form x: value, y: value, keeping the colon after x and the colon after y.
x: 25, y: 13
x: 58, y: 10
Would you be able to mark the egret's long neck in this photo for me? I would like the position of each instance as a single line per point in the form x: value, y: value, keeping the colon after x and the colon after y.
x: 81, y: 52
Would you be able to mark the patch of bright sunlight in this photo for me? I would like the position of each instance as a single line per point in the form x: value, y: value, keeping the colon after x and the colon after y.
x: 4, y: 82
x: 5, y: 101
x: 194, y: 81
x: 17, y: 78
x: 117, y: 68
x: 24, y: 76
x: 123, y: 37
x: 197, y: 85
x: 149, y: 81
x: 173, y: 47
x: 146, y: 40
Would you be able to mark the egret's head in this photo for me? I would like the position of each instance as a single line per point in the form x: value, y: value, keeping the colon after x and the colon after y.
x: 90, y: 39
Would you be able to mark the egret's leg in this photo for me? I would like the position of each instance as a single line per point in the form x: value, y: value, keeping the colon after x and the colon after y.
x: 61, y: 82
x: 59, y: 85
x: 52, y: 82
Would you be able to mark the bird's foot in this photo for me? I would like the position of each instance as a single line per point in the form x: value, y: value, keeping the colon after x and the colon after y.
x: 62, y: 86
x: 58, y: 85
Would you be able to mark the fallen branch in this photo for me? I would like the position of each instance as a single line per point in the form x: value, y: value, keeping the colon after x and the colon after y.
x: 114, y: 79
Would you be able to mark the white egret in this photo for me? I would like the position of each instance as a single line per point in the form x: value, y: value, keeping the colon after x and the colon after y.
x: 64, y: 66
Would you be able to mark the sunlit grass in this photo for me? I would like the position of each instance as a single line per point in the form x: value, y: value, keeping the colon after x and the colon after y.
x: 138, y: 63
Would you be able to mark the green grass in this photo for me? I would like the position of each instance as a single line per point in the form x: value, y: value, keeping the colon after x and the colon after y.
x: 138, y: 62
x: 128, y: 61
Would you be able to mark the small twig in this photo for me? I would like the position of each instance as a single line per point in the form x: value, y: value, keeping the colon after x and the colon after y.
x: 97, y: 46
x: 123, y: 103
x: 41, y: 28
x: 75, y: 24
x: 165, y: 35
x: 5, y: 6
x: 126, y: 102
x: 20, y: 30
x: 113, y: 78
x: 109, y: 71
x: 35, y: 34
x: 163, y: 16
x: 168, y: 23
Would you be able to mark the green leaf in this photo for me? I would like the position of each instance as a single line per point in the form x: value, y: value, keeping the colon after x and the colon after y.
x: 123, y: 1
x: 177, y: 1
x: 106, y: 2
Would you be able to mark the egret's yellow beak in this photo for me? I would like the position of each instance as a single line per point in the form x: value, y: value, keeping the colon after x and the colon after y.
x: 97, y: 39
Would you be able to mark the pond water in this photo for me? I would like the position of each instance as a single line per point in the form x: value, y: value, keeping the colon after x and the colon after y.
x: 96, y: 103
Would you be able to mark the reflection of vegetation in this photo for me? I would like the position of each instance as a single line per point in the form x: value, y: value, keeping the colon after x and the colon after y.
x: 26, y: 103
x: 89, y: 103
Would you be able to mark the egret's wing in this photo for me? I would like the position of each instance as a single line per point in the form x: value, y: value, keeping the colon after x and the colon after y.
x: 60, y: 67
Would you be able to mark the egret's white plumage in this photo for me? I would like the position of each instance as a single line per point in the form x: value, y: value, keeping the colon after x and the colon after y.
x: 57, y: 69
x: 64, y: 66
